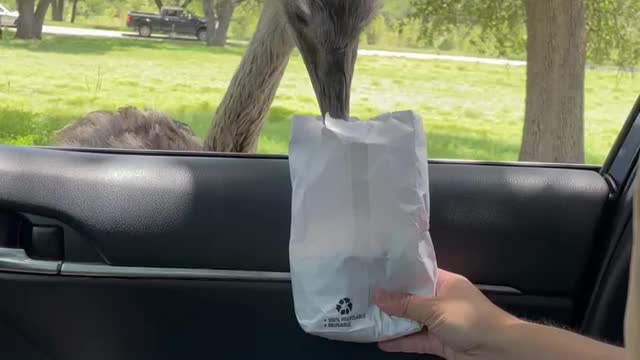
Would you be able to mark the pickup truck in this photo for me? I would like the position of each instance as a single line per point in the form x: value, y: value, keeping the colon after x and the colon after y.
x: 171, y: 20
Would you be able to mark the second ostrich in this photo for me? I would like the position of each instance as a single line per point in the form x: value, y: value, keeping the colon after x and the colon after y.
x: 326, y: 32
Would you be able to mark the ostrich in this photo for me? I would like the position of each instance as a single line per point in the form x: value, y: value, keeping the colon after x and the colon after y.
x: 129, y: 128
x: 326, y: 32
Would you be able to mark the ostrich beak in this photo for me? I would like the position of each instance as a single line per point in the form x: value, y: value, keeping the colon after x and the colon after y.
x: 331, y: 72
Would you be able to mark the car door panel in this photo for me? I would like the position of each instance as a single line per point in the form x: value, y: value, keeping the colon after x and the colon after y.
x: 86, y: 318
x: 168, y: 255
x: 164, y: 319
x: 215, y: 213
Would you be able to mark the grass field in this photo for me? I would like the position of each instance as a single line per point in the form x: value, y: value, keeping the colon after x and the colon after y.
x: 469, y: 111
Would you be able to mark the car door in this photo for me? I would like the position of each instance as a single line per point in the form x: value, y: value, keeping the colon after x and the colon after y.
x: 109, y: 254
x: 186, y: 24
x: 4, y: 20
x: 170, y: 20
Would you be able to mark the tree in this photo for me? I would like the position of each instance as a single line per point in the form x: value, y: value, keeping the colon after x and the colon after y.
x: 208, y: 7
x: 224, y: 12
x: 31, y: 18
x: 57, y: 10
x: 558, y: 36
x: 219, y: 14
x: 556, y: 53
x: 74, y: 10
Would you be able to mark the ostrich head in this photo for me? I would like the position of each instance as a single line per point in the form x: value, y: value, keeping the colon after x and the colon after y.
x: 326, y: 33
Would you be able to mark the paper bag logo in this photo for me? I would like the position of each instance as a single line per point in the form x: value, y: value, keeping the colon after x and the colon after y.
x: 344, y: 306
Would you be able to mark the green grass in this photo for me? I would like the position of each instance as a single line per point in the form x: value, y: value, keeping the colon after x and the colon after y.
x: 469, y: 111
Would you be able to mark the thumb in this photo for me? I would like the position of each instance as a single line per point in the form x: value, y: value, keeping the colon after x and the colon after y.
x: 418, y: 308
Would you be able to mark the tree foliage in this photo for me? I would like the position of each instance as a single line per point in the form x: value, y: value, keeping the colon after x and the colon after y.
x: 245, y: 19
x: 559, y: 37
x: 396, y: 11
x: 613, y: 26
x: 219, y: 12
x: 181, y: 3
x: 375, y: 30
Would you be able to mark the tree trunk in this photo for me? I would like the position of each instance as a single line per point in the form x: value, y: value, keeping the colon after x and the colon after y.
x: 554, y: 123
x: 240, y: 115
x: 224, y: 10
x: 54, y: 9
x: 74, y: 9
x: 186, y: 3
x: 25, y: 19
x: 208, y: 7
x: 41, y: 13
x: 57, y: 10
x: 159, y: 5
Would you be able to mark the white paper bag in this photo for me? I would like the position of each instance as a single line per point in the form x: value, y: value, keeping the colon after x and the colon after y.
x: 359, y: 221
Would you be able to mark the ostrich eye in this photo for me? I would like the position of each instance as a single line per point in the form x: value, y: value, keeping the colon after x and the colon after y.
x: 301, y: 19
x: 301, y: 12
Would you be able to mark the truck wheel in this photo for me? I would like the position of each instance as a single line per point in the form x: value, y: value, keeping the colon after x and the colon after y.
x: 202, y: 35
x: 144, y: 30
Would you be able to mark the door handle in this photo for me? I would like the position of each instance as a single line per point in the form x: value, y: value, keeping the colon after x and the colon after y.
x: 17, y: 261
x: 129, y: 272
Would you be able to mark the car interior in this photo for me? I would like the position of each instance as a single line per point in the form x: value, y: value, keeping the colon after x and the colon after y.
x: 116, y: 254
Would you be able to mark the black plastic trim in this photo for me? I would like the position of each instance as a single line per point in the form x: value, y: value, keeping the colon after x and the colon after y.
x: 544, y: 165
x: 624, y: 153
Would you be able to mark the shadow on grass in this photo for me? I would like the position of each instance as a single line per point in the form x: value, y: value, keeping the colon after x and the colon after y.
x: 28, y: 128
x: 19, y: 127
x: 92, y: 45
x: 274, y: 139
x: 456, y: 146
x: 199, y: 118
x: 468, y: 147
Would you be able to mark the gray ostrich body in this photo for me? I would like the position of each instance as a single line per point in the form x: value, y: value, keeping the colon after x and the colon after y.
x: 129, y: 128
x: 326, y: 32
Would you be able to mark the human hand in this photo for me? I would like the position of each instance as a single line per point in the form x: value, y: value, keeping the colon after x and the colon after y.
x: 460, y: 322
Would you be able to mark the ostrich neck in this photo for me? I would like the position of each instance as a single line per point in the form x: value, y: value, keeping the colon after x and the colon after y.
x: 239, y: 118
